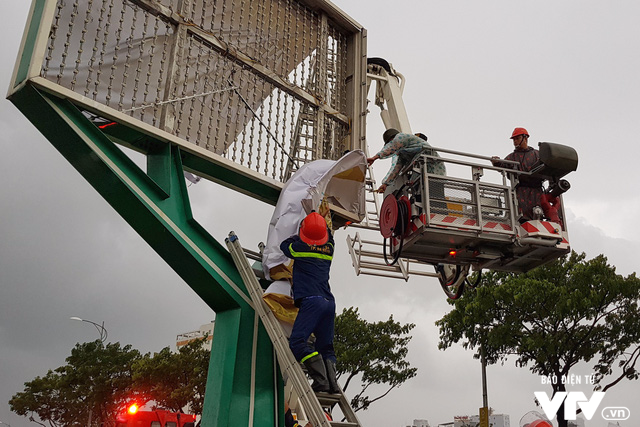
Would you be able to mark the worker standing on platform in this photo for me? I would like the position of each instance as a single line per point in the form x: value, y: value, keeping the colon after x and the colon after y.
x: 404, y: 147
x: 528, y: 190
x: 312, y: 252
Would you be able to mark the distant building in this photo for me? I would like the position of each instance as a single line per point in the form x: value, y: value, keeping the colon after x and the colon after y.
x: 420, y: 423
x: 187, y: 337
x: 579, y: 422
x: 495, y: 420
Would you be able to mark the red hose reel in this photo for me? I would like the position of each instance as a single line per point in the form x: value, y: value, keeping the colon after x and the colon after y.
x: 395, y: 216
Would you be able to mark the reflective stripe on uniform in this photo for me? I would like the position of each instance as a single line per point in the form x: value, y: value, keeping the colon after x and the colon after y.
x: 308, y: 254
x: 309, y: 356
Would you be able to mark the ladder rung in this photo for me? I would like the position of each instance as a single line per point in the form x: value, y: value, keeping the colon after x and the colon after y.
x: 328, y: 398
x: 377, y: 255
x: 375, y: 226
x: 379, y: 274
x: 380, y: 266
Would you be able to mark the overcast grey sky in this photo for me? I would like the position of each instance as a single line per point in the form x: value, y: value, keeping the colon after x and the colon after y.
x: 566, y: 70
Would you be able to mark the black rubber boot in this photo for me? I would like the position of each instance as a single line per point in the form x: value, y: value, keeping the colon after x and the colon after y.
x: 317, y: 372
x: 330, y: 366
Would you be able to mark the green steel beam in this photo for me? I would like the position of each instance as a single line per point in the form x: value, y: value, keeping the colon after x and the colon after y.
x: 244, y: 386
x: 31, y: 32
x: 228, y: 176
x: 235, y: 350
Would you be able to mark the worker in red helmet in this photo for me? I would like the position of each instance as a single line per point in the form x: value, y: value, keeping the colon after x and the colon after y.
x: 403, y: 148
x: 312, y: 252
x: 528, y: 190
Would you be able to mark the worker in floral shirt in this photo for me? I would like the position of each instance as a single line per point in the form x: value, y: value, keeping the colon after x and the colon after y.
x: 404, y: 147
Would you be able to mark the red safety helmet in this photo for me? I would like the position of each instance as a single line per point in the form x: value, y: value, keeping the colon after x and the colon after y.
x: 539, y: 423
x: 519, y: 131
x: 313, y: 230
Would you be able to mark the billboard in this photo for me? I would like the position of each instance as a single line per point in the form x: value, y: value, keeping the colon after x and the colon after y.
x: 266, y: 85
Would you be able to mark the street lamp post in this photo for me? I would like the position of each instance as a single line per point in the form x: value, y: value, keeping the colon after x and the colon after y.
x: 100, y: 328
x: 484, y: 411
x: 103, y: 336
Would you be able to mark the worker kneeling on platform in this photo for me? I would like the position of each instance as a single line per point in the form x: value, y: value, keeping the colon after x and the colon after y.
x: 312, y: 252
x: 403, y: 149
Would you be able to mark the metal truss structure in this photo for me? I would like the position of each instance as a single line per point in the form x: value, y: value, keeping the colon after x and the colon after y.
x: 266, y: 85
x: 239, y: 92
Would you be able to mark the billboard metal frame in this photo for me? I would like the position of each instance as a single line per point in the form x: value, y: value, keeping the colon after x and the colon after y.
x: 138, y: 134
x: 244, y: 385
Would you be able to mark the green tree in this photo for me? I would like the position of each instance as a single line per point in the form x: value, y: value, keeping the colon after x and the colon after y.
x: 569, y: 311
x: 46, y: 398
x: 377, y: 351
x: 98, y: 381
x: 90, y: 389
x: 175, y: 380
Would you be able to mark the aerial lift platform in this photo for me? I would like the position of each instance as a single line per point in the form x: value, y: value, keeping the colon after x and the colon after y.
x: 468, y: 219
x: 465, y: 220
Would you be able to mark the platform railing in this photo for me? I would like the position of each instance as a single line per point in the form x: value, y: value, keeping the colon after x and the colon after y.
x: 473, y: 196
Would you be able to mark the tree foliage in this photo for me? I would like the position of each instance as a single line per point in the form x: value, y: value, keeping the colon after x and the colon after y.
x: 377, y: 351
x: 569, y: 311
x: 98, y: 381
x: 175, y: 380
x: 95, y: 383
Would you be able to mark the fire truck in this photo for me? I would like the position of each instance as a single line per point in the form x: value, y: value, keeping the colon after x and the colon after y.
x: 133, y: 417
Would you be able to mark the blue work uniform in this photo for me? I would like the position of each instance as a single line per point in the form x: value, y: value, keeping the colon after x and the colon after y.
x: 312, y: 295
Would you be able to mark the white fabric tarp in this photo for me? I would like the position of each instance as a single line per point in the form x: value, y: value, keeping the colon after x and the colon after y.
x: 340, y: 181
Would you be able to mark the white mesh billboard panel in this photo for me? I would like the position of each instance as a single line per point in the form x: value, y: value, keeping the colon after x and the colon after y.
x: 262, y: 83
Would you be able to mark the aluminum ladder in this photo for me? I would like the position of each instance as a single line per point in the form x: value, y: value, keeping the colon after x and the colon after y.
x: 311, y: 402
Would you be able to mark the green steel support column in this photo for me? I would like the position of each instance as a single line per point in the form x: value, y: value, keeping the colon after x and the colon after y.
x: 244, y: 387
x: 239, y: 400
